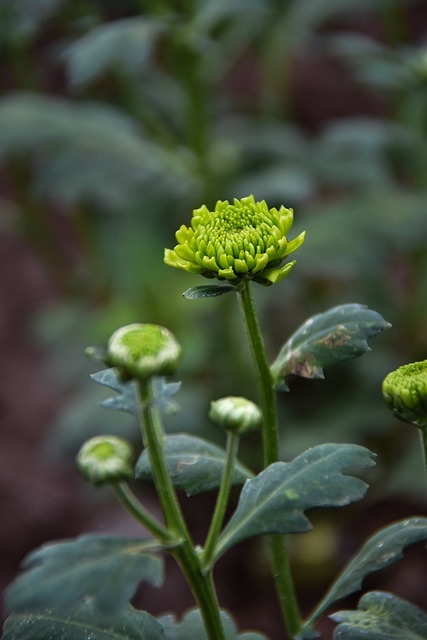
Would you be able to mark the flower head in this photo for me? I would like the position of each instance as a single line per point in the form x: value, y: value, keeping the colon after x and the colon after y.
x: 105, y: 459
x: 143, y: 350
x: 236, y: 414
x: 405, y: 392
x: 239, y: 241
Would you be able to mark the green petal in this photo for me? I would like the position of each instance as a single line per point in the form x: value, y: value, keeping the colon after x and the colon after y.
x: 261, y: 262
x: 184, y: 252
x: 293, y: 245
x: 228, y: 274
x: 210, y: 263
x: 240, y: 266
x: 184, y: 234
x: 275, y: 275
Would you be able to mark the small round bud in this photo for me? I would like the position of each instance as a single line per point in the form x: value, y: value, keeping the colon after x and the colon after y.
x: 105, y: 460
x: 405, y: 392
x: 143, y: 351
x: 238, y: 415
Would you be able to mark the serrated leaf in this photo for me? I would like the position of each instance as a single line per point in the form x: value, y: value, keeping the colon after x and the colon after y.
x: 339, y: 334
x: 103, y: 568
x: 194, y: 464
x: 275, y: 501
x: 191, y: 626
x: 128, y: 42
x: 83, y: 623
x: 127, y: 399
x: 207, y: 291
x: 379, y: 551
x: 381, y: 616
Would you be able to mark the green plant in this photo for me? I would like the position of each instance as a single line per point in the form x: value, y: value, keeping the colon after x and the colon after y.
x: 81, y: 588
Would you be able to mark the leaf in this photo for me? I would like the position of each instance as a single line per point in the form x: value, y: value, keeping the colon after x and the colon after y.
x: 83, y: 623
x: 339, y: 334
x: 275, y: 501
x: 207, y: 291
x: 379, y: 551
x: 128, y: 42
x: 106, y: 569
x: 381, y: 616
x: 127, y: 399
x: 194, y: 464
x: 191, y: 626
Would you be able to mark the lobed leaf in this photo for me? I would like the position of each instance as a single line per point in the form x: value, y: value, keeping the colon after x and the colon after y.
x: 207, y: 291
x: 191, y: 626
x: 339, y: 334
x: 379, y: 551
x: 82, y: 623
x: 194, y: 464
x: 105, y: 569
x: 275, y: 501
x: 381, y: 616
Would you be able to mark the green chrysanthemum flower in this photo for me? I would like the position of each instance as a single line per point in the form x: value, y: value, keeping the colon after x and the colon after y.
x: 236, y: 414
x: 405, y: 392
x: 239, y: 241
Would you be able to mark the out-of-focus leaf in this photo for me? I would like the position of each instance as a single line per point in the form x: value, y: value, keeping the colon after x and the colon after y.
x: 207, y: 291
x: 128, y: 42
x: 105, y: 569
x: 379, y: 551
x: 127, y: 399
x: 381, y: 616
x: 23, y: 18
x: 82, y: 623
x: 87, y: 151
x: 336, y: 335
x: 194, y: 464
x: 191, y: 626
x: 275, y: 501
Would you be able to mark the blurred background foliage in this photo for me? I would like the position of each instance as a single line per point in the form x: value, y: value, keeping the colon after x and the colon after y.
x: 118, y: 118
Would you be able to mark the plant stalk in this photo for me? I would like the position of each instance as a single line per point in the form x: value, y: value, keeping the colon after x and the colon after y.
x: 222, y: 499
x: 135, y: 508
x: 279, y: 554
x: 201, y: 585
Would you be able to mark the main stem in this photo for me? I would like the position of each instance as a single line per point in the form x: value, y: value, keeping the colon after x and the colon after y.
x: 201, y: 585
x: 280, y: 559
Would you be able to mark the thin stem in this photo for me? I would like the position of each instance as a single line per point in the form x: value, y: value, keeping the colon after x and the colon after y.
x: 222, y: 499
x: 201, y: 585
x: 280, y: 559
x: 424, y: 447
x: 132, y: 504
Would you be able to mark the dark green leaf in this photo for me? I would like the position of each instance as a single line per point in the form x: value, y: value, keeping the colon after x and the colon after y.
x: 339, y: 334
x: 381, y: 616
x: 194, y: 464
x: 128, y: 43
x: 378, y: 552
x: 83, y: 623
x: 106, y: 569
x: 207, y: 291
x: 191, y: 626
x: 275, y: 501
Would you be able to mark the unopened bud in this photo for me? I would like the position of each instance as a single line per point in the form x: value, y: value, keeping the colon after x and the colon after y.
x: 143, y: 351
x: 106, y: 460
x: 235, y: 414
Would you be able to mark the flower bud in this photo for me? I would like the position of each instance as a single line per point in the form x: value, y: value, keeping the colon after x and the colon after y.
x: 238, y: 415
x: 143, y: 351
x: 105, y: 460
x: 405, y: 392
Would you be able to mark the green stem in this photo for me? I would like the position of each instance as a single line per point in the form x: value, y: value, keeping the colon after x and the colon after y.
x: 222, y: 500
x: 201, y: 585
x: 280, y: 559
x: 424, y: 447
x: 132, y: 504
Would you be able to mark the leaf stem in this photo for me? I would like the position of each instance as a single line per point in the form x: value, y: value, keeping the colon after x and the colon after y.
x: 232, y: 447
x: 132, y: 504
x: 423, y: 437
x: 280, y: 559
x: 201, y: 585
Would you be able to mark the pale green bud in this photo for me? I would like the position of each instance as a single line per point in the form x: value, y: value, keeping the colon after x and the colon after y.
x: 105, y: 460
x: 235, y: 414
x: 143, y: 351
x: 244, y: 240
x: 405, y: 392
